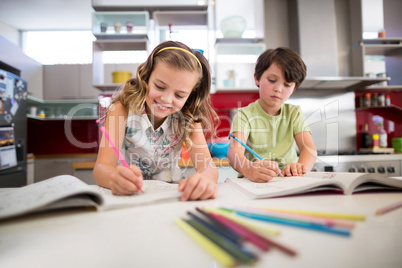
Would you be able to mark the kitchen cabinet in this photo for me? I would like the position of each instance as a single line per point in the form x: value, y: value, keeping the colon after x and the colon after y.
x: 46, y: 168
x: 85, y: 109
x: 235, y: 61
x: 68, y: 82
x: 389, y: 48
x: 391, y: 115
x: 110, y: 39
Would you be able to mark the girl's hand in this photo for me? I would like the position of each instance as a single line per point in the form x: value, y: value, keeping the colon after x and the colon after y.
x: 294, y: 169
x: 262, y: 171
x: 197, y: 187
x: 125, y: 181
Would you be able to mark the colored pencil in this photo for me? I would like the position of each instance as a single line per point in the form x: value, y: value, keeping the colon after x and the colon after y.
x: 219, y: 254
x: 227, y: 245
x: 271, y: 242
x: 293, y: 223
x: 118, y: 153
x: 355, y: 217
x: 246, y: 233
x: 233, y: 236
x: 248, y: 223
x: 248, y: 148
x: 389, y: 208
x: 299, y: 217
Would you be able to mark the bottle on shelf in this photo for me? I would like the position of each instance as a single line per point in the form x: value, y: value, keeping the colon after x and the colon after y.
x: 376, y: 142
x: 374, y: 100
x: 366, y: 138
x: 381, y: 99
x: 367, y: 99
x: 388, y: 100
x: 382, y: 136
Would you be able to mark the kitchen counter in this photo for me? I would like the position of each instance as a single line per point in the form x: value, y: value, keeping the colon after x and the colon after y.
x: 146, y: 236
x: 219, y: 162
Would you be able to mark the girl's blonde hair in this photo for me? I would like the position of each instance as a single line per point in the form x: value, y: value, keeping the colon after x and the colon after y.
x: 197, y: 108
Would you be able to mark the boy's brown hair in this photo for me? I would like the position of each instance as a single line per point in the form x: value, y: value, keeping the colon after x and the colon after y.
x: 291, y: 64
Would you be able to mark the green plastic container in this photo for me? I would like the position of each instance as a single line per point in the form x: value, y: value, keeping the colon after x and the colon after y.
x: 397, y: 144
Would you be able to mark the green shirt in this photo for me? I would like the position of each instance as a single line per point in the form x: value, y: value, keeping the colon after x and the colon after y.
x: 271, y: 137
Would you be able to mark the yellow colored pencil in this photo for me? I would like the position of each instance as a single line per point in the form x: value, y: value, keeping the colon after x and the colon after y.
x: 219, y: 254
x: 355, y: 217
x: 243, y: 221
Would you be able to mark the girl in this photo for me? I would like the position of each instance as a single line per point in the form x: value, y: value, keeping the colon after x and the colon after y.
x: 166, y: 104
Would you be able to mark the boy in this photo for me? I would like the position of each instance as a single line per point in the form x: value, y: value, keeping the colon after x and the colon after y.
x: 270, y: 127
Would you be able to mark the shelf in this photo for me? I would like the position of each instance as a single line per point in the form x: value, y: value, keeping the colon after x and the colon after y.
x: 392, y: 110
x: 62, y: 118
x: 108, y: 87
x: 239, y: 40
x: 175, y: 18
x: 235, y: 89
x: 383, y: 88
x: 377, y: 150
x: 139, y: 43
x: 382, y: 46
x: 140, y: 20
x: 31, y: 99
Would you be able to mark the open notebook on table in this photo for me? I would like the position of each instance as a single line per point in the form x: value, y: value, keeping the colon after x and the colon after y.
x: 67, y: 191
x: 346, y: 183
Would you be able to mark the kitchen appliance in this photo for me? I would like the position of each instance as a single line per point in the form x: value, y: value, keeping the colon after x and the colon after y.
x: 388, y: 164
x: 13, y: 128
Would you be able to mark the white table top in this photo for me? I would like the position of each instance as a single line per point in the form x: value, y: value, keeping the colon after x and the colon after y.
x: 148, y: 237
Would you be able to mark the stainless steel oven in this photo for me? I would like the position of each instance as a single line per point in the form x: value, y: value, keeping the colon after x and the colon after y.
x: 389, y: 164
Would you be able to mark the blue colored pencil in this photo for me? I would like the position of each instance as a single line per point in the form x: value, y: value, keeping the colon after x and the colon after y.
x: 294, y: 223
x: 232, y: 248
x: 248, y: 148
x: 218, y: 229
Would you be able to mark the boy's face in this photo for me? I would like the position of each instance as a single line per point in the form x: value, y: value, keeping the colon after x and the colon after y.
x: 169, y: 89
x: 274, y: 90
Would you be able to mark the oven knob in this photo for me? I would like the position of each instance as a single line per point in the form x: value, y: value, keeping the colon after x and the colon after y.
x: 362, y: 169
x: 381, y: 169
x: 352, y: 169
x: 371, y: 169
x: 391, y: 169
x: 329, y: 169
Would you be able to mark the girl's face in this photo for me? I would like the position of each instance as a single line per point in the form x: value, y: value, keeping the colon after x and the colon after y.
x: 169, y: 89
x: 274, y: 90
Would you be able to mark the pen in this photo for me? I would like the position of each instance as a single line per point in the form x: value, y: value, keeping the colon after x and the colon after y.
x: 248, y: 148
x: 118, y: 153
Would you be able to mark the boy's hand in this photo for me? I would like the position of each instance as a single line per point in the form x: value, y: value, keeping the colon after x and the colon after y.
x: 125, y: 181
x: 197, y: 187
x: 294, y: 169
x: 262, y: 171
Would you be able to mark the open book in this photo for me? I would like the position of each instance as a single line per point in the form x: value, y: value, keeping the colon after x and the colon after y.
x: 344, y: 182
x: 67, y: 191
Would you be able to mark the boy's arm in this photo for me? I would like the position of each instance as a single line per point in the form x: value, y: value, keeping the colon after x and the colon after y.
x: 202, y: 184
x: 258, y: 171
x: 308, y: 152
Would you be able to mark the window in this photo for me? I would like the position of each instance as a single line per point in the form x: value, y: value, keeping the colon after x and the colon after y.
x: 59, y: 47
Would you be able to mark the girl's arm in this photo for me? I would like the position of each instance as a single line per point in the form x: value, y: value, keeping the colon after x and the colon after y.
x: 258, y: 171
x: 202, y: 184
x: 119, y: 179
x: 307, y: 157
